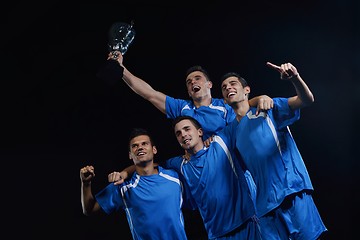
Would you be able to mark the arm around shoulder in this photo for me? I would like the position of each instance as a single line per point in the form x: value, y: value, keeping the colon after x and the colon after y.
x: 119, y: 177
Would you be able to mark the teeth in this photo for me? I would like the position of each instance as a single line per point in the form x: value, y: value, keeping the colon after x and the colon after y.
x: 231, y: 94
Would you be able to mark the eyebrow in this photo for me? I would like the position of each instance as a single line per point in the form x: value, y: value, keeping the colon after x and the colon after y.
x: 195, y: 76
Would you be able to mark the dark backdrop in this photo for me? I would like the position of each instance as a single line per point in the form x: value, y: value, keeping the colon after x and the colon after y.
x: 58, y: 116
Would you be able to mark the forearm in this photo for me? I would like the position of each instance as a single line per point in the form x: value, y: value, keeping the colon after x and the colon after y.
x: 129, y: 171
x: 304, y: 95
x: 138, y: 85
x: 262, y: 103
x: 145, y: 90
x: 253, y: 102
x: 87, y: 199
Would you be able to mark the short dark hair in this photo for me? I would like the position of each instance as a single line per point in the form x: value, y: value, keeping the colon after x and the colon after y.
x: 234, y: 74
x: 198, y: 68
x: 191, y: 119
x: 139, y: 132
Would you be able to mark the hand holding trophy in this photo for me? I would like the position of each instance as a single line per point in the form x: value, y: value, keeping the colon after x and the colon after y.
x: 120, y: 37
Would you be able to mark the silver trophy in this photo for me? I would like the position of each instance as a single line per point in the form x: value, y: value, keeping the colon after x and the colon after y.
x: 121, y: 36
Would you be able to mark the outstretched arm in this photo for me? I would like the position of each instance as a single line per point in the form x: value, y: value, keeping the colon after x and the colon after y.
x: 88, y: 202
x: 139, y: 86
x: 289, y: 72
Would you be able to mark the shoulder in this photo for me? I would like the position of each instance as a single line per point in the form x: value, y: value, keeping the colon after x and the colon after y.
x: 177, y: 100
x: 218, y: 102
x: 130, y: 180
x: 175, y: 159
x: 168, y: 171
x: 169, y: 174
x: 281, y: 104
x: 280, y: 101
x: 221, y: 105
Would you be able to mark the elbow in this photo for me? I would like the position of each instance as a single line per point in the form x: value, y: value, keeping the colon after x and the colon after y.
x: 87, y: 212
x: 301, y: 102
x: 310, y: 100
x: 311, y: 97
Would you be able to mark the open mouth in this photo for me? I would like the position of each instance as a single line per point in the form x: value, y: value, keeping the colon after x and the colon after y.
x: 231, y: 94
x: 196, y: 88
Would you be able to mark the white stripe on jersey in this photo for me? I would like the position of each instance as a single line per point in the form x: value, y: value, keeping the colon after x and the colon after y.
x: 220, y: 141
x: 123, y: 190
x: 219, y: 108
x: 170, y: 178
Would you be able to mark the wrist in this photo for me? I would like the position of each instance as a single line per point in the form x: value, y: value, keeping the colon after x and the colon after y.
x: 86, y: 183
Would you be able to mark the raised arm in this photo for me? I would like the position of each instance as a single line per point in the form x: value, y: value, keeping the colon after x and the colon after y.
x: 88, y: 202
x: 139, y: 86
x: 289, y: 72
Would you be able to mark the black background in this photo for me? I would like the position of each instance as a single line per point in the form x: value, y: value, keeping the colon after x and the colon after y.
x: 58, y: 116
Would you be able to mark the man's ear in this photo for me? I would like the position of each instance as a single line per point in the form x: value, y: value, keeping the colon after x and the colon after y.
x: 247, y: 89
x: 210, y: 84
x: 201, y: 132
x: 154, y: 150
x: 130, y: 156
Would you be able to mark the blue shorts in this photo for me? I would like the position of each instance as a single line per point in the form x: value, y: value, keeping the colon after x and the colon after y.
x: 297, y: 218
x: 250, y: 230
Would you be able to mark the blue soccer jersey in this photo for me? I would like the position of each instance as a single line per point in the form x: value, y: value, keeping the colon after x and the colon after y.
x: 218, y: 186
x: 152, y: 204
x: 212, y: 118
x: 270, y: 153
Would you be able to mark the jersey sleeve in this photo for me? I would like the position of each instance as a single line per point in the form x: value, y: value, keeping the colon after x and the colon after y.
x: 283, y: 114
x: 109, y: 198
x: 173, y: 107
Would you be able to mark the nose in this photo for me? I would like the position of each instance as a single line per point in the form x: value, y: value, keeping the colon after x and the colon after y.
x: 192, y: 80
x: 181, y: 135
x: 226, y: 87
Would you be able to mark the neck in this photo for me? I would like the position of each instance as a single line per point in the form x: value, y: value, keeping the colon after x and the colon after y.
x: 202, y: 101
x: 240, y: 109
x: 196, y: 148
x: 145, y: 169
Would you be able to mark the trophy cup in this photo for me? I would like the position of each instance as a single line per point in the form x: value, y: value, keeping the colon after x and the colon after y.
x: 120, y: 36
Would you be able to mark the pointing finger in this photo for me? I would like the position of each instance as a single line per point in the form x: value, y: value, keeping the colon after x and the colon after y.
x: 273, y: 66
